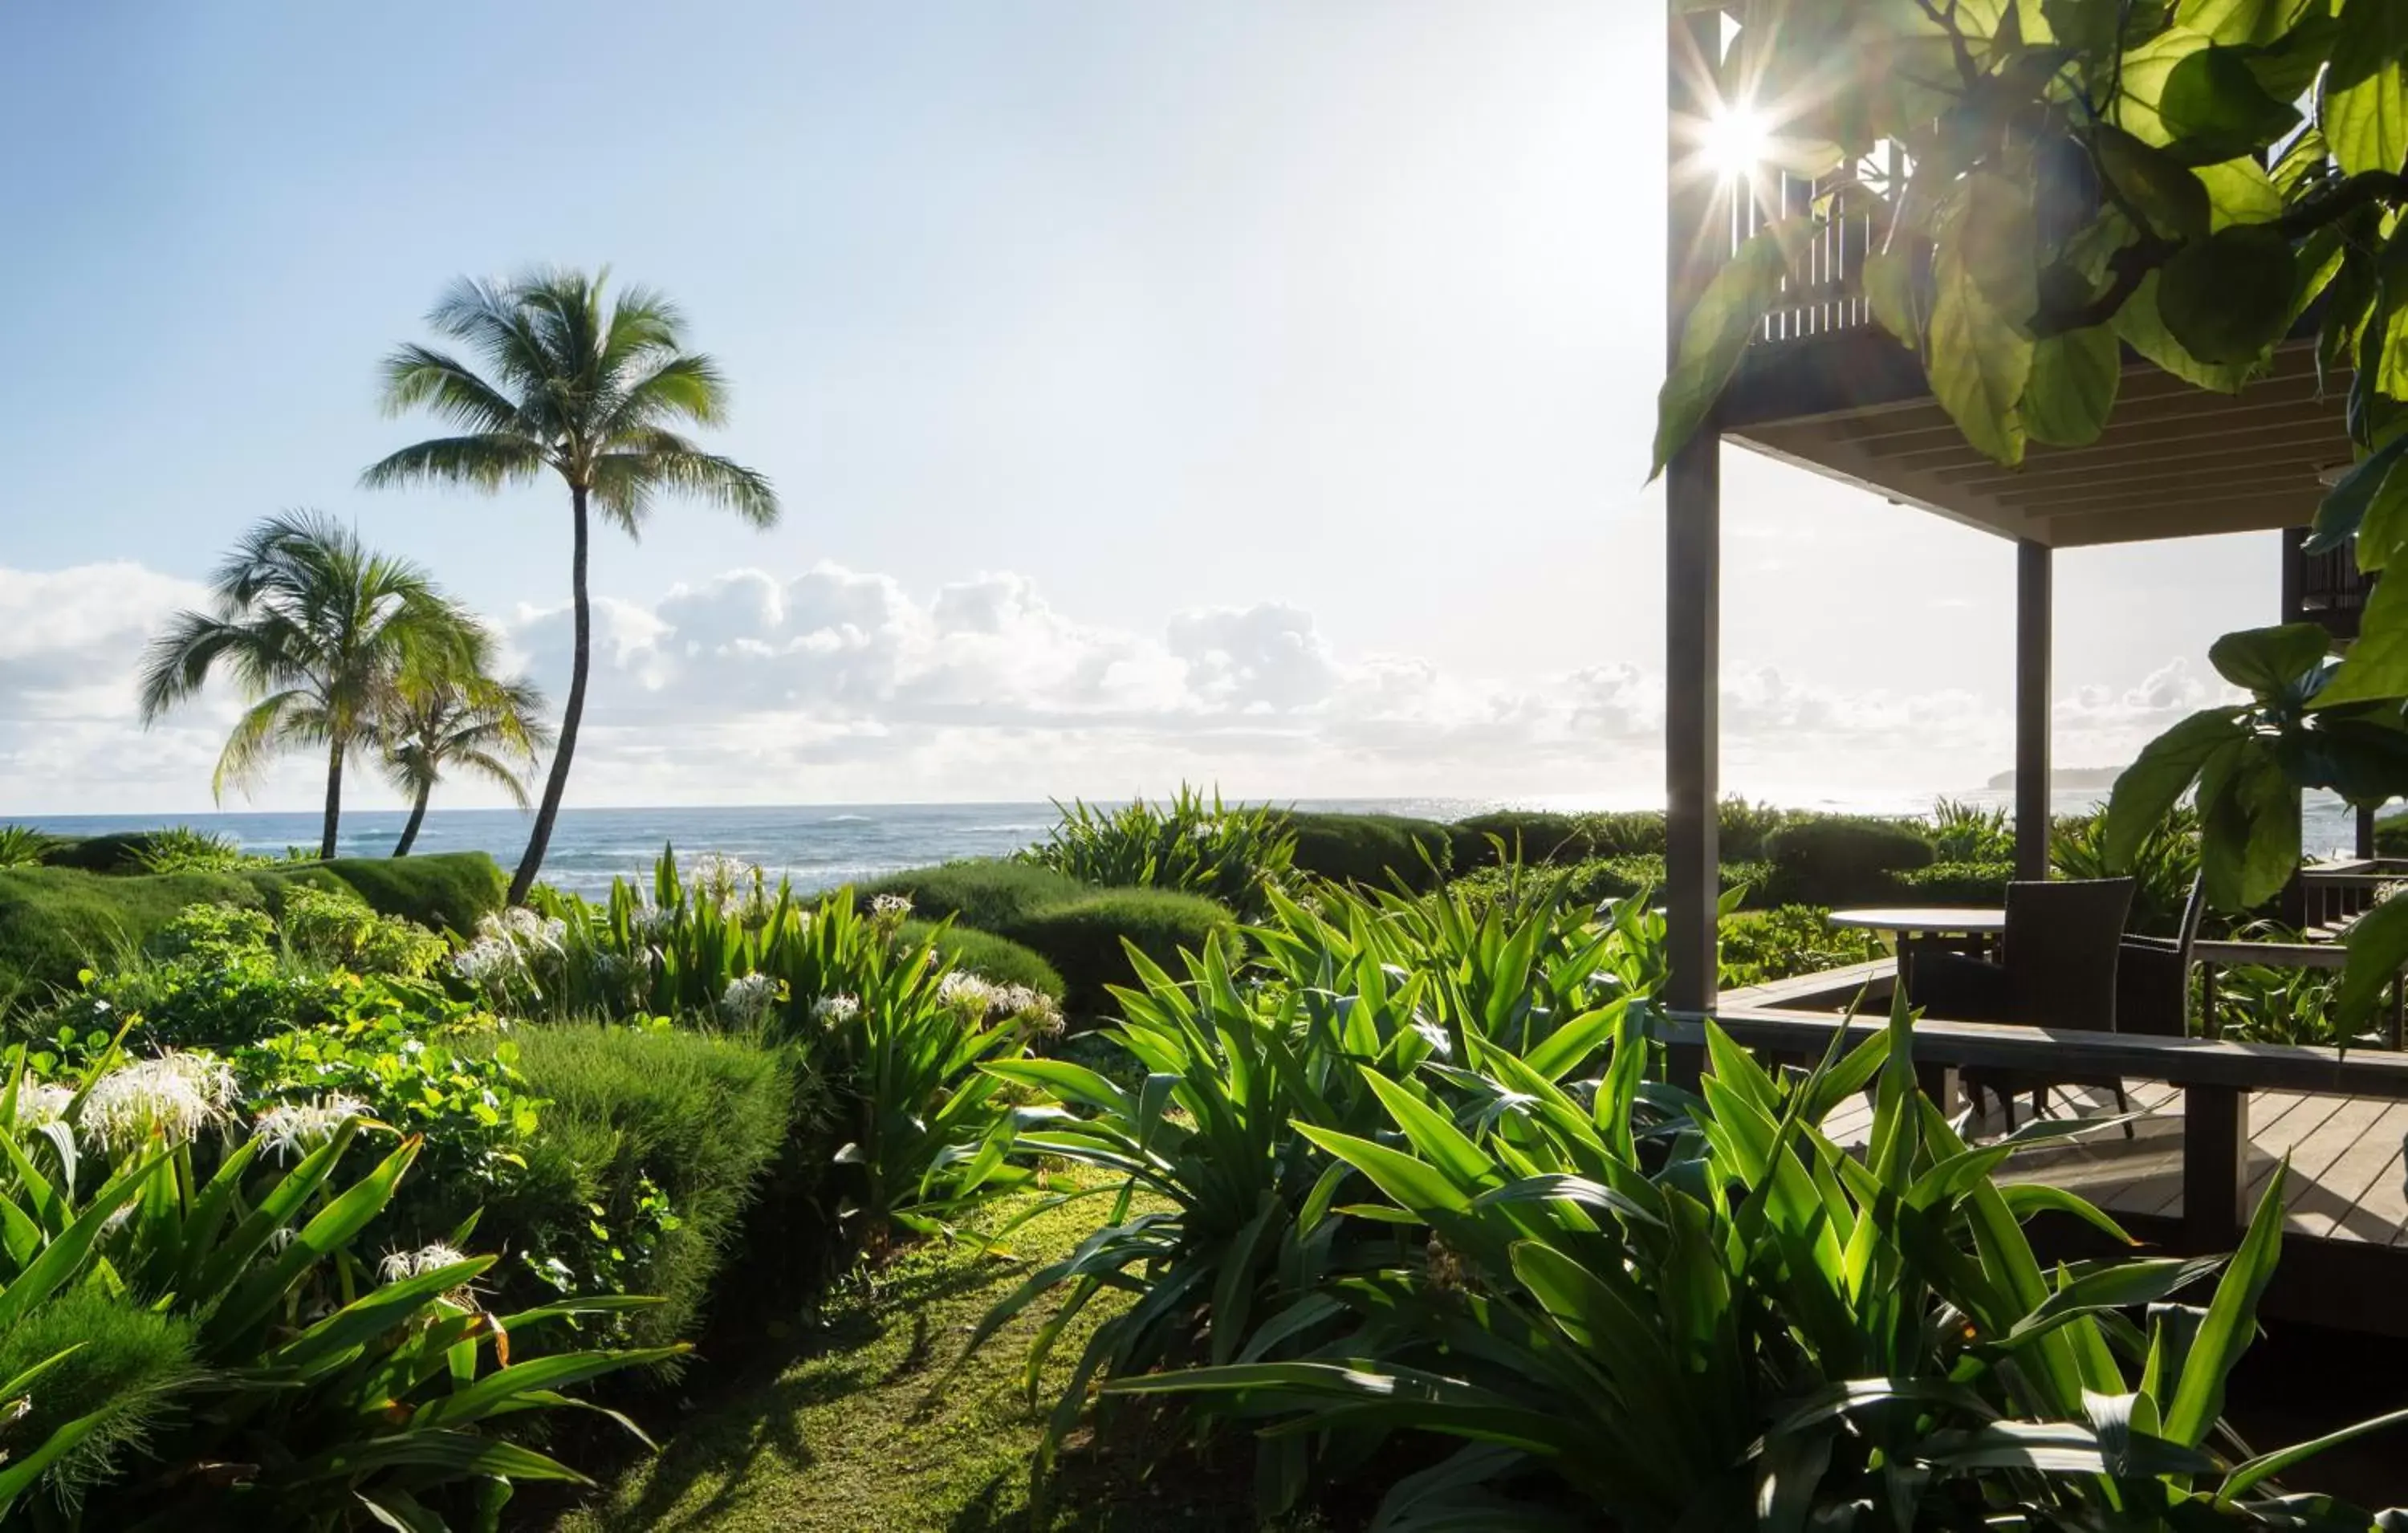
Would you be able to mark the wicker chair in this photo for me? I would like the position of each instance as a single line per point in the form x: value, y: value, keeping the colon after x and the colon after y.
x: 2057, y: 967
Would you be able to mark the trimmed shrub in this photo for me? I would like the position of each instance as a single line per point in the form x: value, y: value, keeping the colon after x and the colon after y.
x: 1596, y: 879
x: 667, y: 1132
x: 988, y: 893
x: 55, y: 921
x: 1629, y: 833
x: 1761, y: 946
x: 988, y: 957
x: 1839, y: 859
x: 1364, y: 849
x: 1082, y: 938
x: 1534, y: 836
x: 1956, y: 883
x: 2392, y: 835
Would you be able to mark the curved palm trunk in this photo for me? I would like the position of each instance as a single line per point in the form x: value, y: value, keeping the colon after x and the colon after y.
x: 556, y: 782
x: 334, y: 800
x: 417, y: 817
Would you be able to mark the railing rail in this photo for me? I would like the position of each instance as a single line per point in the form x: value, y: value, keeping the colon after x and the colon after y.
x: 2215, y: 1077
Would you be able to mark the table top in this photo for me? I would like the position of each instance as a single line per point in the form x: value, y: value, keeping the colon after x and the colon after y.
x: 1973, y: 920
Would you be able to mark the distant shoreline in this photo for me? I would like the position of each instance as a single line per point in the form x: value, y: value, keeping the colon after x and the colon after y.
x: 2065, y: 778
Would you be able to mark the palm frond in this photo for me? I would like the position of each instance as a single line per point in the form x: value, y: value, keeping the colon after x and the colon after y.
x: 684, y: 386
x: 486, y: 461
x: 422, y: 377
x: 651, y: 460
x: 274, y: 722
x: 177, y: 664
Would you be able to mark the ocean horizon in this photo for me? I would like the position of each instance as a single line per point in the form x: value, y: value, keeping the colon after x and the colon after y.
x: 821, y: 846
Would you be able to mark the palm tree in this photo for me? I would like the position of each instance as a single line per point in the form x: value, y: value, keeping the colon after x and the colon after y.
x: 460, y: 716
x: 588, y: 390
x: 319, y: 631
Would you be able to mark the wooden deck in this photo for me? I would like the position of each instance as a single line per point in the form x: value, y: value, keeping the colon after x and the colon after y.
x: 2347, y: 1180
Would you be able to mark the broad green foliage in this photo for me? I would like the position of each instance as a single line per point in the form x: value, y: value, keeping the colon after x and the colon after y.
x: 2163, y: 863
x: 896, y: 1032
x: 180, y: 849
x: 2202, y: 181
x: 1761, y: 946
x: 2258, y: 1004
x: 1232, y: 852
x: 236, y: 1327
x: 1968, y: 833
x: 22, y: 846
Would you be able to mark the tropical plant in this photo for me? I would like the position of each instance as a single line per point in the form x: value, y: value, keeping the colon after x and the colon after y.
x: 1665, y: 1314
x: 1970, y: 833
x: 2164, y: 864
x: 2055, y: 184
x: 319, y: 631
x: 339, y: 1390
x: 1761, y: 946
x: 1222, y: 1219
x: 1232, y: 852
x: 591, y: 390
x: 22, y: 846
x: 461, y: 716
x: 180, y: 849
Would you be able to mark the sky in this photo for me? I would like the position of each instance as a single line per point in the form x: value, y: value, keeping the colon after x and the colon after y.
x: 1255, y: 392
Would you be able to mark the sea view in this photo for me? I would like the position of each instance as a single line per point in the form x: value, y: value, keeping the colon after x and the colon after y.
x: 821, y: 846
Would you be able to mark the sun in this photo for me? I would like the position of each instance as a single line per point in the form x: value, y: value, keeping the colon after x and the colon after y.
x: 1736, y: 142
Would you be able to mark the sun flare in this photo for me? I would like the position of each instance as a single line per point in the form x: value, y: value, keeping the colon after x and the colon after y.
x: 1736, y: 142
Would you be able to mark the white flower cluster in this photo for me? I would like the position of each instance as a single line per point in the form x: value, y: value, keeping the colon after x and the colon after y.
x: 648, y: 923
x: 402, y: 1266
x: 748, y: 998
x: 731, y: 883
x: 836, y: 1010
x: 289, y: 1127
x: 173, y: 1096
x: 501, y: 950
x: 983, y: 998
x: 39, y: 1104
x: 890, y: 909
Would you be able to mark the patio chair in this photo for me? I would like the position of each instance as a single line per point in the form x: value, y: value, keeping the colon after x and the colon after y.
x: 2056, y: 967
x: 2153, y: 975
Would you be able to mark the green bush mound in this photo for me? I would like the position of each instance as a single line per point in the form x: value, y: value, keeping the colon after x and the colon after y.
x: 1533, y: 836
x: 1070, y: 926
x: 642, y: 1122
x: 988, y: 957
x: 1956, y: 883
x: 1365, y: 849
x: 1082, y: 938
x: 2392, y: 835
x: 988, y: 893
x: 1841, y: 859
x: 56, y: 921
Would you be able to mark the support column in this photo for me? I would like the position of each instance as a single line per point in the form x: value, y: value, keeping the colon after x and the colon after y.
x: 1697, y: 243
x: 2034, y: 596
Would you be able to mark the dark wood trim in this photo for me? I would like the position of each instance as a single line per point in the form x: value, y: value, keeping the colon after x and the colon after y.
x: 2034, y: 600
x: 2178, y: 1061
x: 2215, y: 1165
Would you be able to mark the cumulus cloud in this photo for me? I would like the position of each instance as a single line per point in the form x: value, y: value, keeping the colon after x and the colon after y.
x: 836, y: 684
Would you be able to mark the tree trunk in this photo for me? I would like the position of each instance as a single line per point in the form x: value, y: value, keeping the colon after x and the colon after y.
x: 334, y: 799
x: 556, y: 783
x: 417, y: 817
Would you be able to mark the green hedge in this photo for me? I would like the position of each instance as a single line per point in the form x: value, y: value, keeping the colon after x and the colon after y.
x: 989, y: 956
x: 698, y: 1117
x: 55, y: 921
x: 1533, y: 836
x: 2392, y: 835
x: 1074, y: 927
x: 1082, y: 938
x: 987, y: 892
x: 1365, y: 849
x: 1838, y: 859
x: 1956, y: 883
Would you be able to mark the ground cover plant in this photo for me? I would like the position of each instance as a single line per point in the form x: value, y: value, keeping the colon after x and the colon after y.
x: 1195, y: 845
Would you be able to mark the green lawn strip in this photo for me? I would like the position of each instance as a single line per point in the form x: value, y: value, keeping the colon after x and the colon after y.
x: 873, y: 1429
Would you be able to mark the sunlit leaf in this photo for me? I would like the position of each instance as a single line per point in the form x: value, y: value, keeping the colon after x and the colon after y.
x: 2149, y: 790
x: 2365, y: 97
x: 1725, y: 318
x: 2072, y: 389
x: 2227, y: 298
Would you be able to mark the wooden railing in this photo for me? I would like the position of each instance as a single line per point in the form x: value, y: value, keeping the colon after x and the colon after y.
x: 1826, y: 293
x: 2216, y: 1078
x: 2333, y: 591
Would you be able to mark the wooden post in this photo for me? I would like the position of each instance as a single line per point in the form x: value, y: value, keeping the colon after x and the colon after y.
x: 2033, y: 598
x: 1941, y: 1084
x: 2365, y: 834
x: 2215, y: 1165
x: 1698, y: 242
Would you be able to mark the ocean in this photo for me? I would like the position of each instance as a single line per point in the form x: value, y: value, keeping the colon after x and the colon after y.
x: 822, y: 846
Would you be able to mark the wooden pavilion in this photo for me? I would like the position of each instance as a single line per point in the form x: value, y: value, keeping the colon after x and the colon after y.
x: 1827, y: 389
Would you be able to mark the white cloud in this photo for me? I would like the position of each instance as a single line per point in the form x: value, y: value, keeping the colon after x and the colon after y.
x: 835, y: 684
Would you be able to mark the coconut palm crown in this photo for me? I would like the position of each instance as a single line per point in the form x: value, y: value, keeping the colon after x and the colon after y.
x: 320, y: 634
x: 593, y: 390
x: 463, y: 719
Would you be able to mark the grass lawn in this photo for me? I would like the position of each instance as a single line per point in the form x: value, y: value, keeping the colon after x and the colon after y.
x: 873, y: 1429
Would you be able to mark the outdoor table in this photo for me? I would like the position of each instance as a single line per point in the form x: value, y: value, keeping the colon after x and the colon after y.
x: 1961, y: 929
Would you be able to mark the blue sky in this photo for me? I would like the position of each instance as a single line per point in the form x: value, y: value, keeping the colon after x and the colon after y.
x: 1253, y: 391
